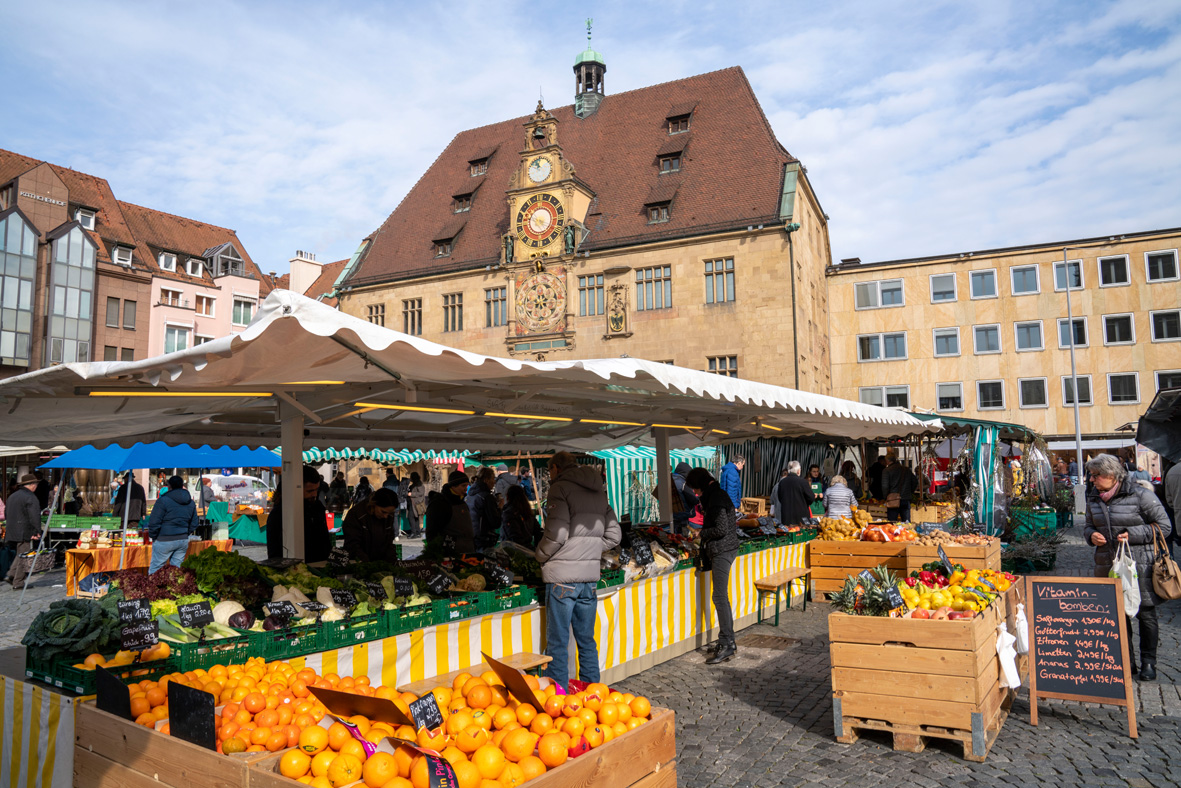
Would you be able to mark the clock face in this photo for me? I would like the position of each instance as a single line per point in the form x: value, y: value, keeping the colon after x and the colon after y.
x: 541, y: 300
x: 539, y: 169
x: 540, y: 220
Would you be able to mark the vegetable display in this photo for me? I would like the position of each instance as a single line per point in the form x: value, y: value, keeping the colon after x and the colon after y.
x: 215, y: 568
x: 168, y: 582
x: 73, y: 628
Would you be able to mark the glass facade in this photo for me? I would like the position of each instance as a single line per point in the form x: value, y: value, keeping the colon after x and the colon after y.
x: 18, y: 267
x: 71, y: 297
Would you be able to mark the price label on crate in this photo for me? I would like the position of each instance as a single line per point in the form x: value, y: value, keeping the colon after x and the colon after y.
x: 642, y: 552
x: 404, y: 586
x: 282, y: 609
x: 195, y: 614
x: 191, y: 715
x: 426, y: 713
x: 894, y: 597
x: 768, y: 530
x: 866, y: 578
x: 133, y: 611
x: 498, y: 577
x: 314, y: 607
x: 137, y: 637
x: 344, y: 598
x: 376, y: 590
x: 113, y: 696
x: 439, y: 584
x: 946, y: 563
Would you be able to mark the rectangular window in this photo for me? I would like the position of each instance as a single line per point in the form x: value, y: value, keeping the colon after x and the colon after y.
x: 443, y: 248
x: 461, y: 203
x: 376, y: 314
x: 990, y: 394
x: 243, y: 312
x: 171, y: 297
x: 121, y: 255
x: 1166, y: 326
x: 678, y: 125
x: 670, y: 164
x: 110, y: 353
x: 127, y: 354
x: 112, y: 312
x: 1064, y: 332
x: 1025, y: 280
x: 719, y: 280
x: 167, y: 261
x: 1075, y: 269
x: 590, y: 295
x: 658, y: 213
x: 1084, y: 390
x: 1123, y: 388
x: 1029, y: 335
x: 412, y: 317
x: 1119, y: 330
x: 885, y: 396
x: 654, y: 288
x: 986, y: 339
x: 496, y: 306
x: 453, y: 312
x: 195, y: 266
x: 943, y: 289
x: 949, y: 396
x: 1168, y: 379
x: 1032, y: 392
x: 478, y: 167
x: 201, y: 339
x: 205, y: 305
x: 1113, y: 271
x: 1161, y: 266
x: 982, y: 284
x: 85, y: 217
x: 881, y: 347
x: 175, y: 338
x: 874, y: 295
x: 723, y: 365
x: 129, y: 315
x: 947, y: 342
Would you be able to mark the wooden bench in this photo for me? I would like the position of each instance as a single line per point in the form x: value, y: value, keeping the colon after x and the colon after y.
x: 522, y: 661
x: 773, y: 584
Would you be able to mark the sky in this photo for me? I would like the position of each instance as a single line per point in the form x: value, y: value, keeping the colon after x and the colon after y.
x: 926, y: 127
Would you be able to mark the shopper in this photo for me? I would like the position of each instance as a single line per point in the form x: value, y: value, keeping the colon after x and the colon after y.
x: 719, y: 548
x: 731, y: 480
x: 317, y: 544
x: 504, y: 480
x: 415, y: 504
x: 794, y: 497
x: 518, y: 523
x: 839, y: 500
x: 173, y: 521
x: 448, y: 520
x: 774, y: 506
x: 207, y: 494
x: 876, y: 469
x: 139, y: 500
x: 391, y: 481
x: 362, y: 491
x: 687, y: 498
x: 338, y: 495
x: 485, y: 512
x: 22, y: 511
x: 1119, y: 510
x: 898, y: 484
x: 527, y: 483
x: 580, y: 526
x: 43, y: 491
x: 852, y: 481
x: 370, y: 529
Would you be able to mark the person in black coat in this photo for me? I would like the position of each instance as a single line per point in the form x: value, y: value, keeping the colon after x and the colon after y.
x: 719, y: 546
x: 794, y: 497
x: 876, y: 469
x: 518, y: 523
x: 689, y: 498
x: 22, y: 525
x: 448, y: 519
x: 485, y: 512
x: 139, y: 500
x: 317, y: 544
x: 369, y: 529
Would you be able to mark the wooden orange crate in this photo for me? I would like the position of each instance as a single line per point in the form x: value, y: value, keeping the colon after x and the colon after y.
x: 919, y: 679
x: 832, y: 562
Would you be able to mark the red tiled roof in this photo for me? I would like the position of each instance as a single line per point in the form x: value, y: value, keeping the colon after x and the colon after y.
x: 282, y: 282
x: 323, y: 284
x: 731, y: 176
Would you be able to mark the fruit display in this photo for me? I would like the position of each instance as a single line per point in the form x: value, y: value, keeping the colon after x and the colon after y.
x: 889, y: 532
x: 928, y: 594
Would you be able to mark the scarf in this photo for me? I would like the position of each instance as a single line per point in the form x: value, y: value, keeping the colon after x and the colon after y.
x: 1107, y: 496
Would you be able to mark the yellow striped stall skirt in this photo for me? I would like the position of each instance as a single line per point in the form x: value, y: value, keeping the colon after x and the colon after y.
x: 38, y: 740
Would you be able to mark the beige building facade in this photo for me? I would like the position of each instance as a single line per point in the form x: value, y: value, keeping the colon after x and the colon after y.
x: 987, y: 334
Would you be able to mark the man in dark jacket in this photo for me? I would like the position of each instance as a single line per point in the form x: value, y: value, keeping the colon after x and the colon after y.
x: 900, y: 481
x: 876, y: 469
x: 139, y: 500
x: 719, y: 547
x: 688, y: 498
x: 448, y: 521
x: 794, y: 497
x: 317, y: 544
x: 369, y: 529
x: 23, y: 525
x: 173, y: 520
x: 484, y: 510
x: 43, y: 491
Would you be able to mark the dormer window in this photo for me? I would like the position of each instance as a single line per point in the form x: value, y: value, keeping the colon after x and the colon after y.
x: 167, y: 261
x: 678, y: 124
x: 85, y: 217
x: 670, y: 163
x: 121, y: 255
x: 443, y: 248
x: 461, y: 203
x: 478, y: 167
x: 194, y: 266
x: 226, y: 261
x: 657, y: 212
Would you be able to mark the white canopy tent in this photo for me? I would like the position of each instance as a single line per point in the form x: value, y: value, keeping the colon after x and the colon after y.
x: 304, y: 375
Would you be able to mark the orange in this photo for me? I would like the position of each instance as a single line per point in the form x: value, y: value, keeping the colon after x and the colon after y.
x: 512, y: 776
x: 471, y: 684
x: 295, y: 764
x: 490, y: 761
x: 93, y: 661
x: 260, y: 735
x: 267, y: 718
x: 635, y: 722
x: 482, y: 718
x: 344, y: 770
x: 589, y: 720
x: 598, y: 688
x: 459, y: 721
x: 609, y: 714
x: 399, y: 782
x: 233, y: 744
x: 254, y: 702
x: 160, y: 712
x: 404, y: 758
x: 620, y: 728
x: 608, y: 733
x: 471, y: 739
x: 321, y: 762
x: 276, y: 742
x: 347, y: 683
x: 452, y: 754
x: 443, y: 696
x: 641, y: 706
x: 479, y: 696
x: 166, y: 729
x: 503, y: 718
x: 526, y: 713
x: 140, y: 706
x: 406, y: 732
x: 302, y: 721
x: 542, y: 724
x: 355, y: 749
x: 625, y: 711
x: 299, y: 688
x: 213, y: 688
x: 552, y: 750
x: 386, y: 693
x: 593, y: 736
x: 313, y: 740
x: 615, y: 697
x: 379, y: 770
x: 157, y: 696
x: 466, y: 774
x: 458, y: 703
x: 432, y: 739
x: 242, y: 717
x: 554, y: 704
x: 572, y: 706
x: 229, y: 710
x: 628, y: 697
x: 361, y: 722
x: 499, y: 694
x: 498, y: 738
x: 338, y: 735
x: 518, y: 744
x: 319, y: 782
x: 285, y: 714
x: 573, y: 728
x: 227, y: 731
x: 292, y: 733
x: 460, y: 680
x: 531, y: 767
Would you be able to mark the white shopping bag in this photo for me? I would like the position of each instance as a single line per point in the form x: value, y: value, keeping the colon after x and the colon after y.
x: 1007, y: 657
x: 1022, y: 634
x: 1124, y: 568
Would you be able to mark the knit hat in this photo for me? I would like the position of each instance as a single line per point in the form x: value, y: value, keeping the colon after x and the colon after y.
x: 457, y: 477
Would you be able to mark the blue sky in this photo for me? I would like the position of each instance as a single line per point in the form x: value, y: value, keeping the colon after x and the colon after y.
x: 926, y: 127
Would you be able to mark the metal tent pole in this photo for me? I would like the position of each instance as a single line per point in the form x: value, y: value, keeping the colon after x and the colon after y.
x: 130, y: 487
x: 664, y: 479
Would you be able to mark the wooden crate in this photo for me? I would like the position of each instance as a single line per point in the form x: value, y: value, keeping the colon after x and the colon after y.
x: 934, y: 513
x: 832, y: 562
x: 521, y: 661
x: 919, y: 679
x: 971, y: 556
x: 756, y: 507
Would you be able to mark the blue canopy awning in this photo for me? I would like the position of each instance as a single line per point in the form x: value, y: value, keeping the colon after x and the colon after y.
x: 161, y: 455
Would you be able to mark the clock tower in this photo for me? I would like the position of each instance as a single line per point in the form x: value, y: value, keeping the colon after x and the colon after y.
x: 547, y: 206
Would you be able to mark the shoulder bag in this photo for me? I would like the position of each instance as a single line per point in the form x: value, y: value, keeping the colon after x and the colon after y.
x: 1166, y: 578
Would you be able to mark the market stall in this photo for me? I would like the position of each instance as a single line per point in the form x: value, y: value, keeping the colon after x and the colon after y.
x: 81, y: 563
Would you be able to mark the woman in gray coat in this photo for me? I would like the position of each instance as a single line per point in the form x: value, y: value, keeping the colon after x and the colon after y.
x: 1119, y: 510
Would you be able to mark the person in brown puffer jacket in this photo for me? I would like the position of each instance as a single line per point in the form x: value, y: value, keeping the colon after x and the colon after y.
x: 719, y: 545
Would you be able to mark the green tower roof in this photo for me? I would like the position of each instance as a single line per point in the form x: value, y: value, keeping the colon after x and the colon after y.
x: 589, y: 56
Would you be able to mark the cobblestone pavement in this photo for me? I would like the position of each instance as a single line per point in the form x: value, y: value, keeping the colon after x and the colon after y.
x: 765, y: 719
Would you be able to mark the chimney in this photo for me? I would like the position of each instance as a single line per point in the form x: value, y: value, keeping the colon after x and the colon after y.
x: 304, y: 271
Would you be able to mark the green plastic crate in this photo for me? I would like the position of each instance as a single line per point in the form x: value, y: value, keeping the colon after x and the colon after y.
x: 512, y: 597
x: 459, y: 606
x: 409, y: 619
x: 63, y: 675
x: 60, y: 521
x: 684, y: 563
x: 350, y: 632
x: 281, y: 644
x: 221, y: 651
x: 611, y: 578
x: 1027, y: 522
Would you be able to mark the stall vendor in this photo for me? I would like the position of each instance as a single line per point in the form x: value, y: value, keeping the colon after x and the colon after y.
x: 370, y: 529
x: 448, y: 521
x: 316, y: 542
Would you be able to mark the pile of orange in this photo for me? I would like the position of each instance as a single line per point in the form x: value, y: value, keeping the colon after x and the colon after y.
x: 124, y: 658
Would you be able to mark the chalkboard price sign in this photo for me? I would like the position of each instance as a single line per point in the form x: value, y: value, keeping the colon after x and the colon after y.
x: 314, y: 607
x: 344, y: 598
x: 195, y: 614
x: 1077, y: 634
x: 946, y: 562
x: 403, y: 586
x: 133, y: 611
x: 376, y: 591
x: 866, y: 578
x: 282, y: 609
x: 137, y: 637
x: 426, y: 713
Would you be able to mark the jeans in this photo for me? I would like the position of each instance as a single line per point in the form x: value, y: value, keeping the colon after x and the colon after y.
x: 720, y: 588
x: 568, y: 605
x: 901, y: 514
x: 170, y: 552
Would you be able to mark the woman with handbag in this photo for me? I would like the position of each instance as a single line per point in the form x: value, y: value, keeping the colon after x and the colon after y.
x: 1121, y: 511
x: 416, y: 504
x: 719, y: 548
